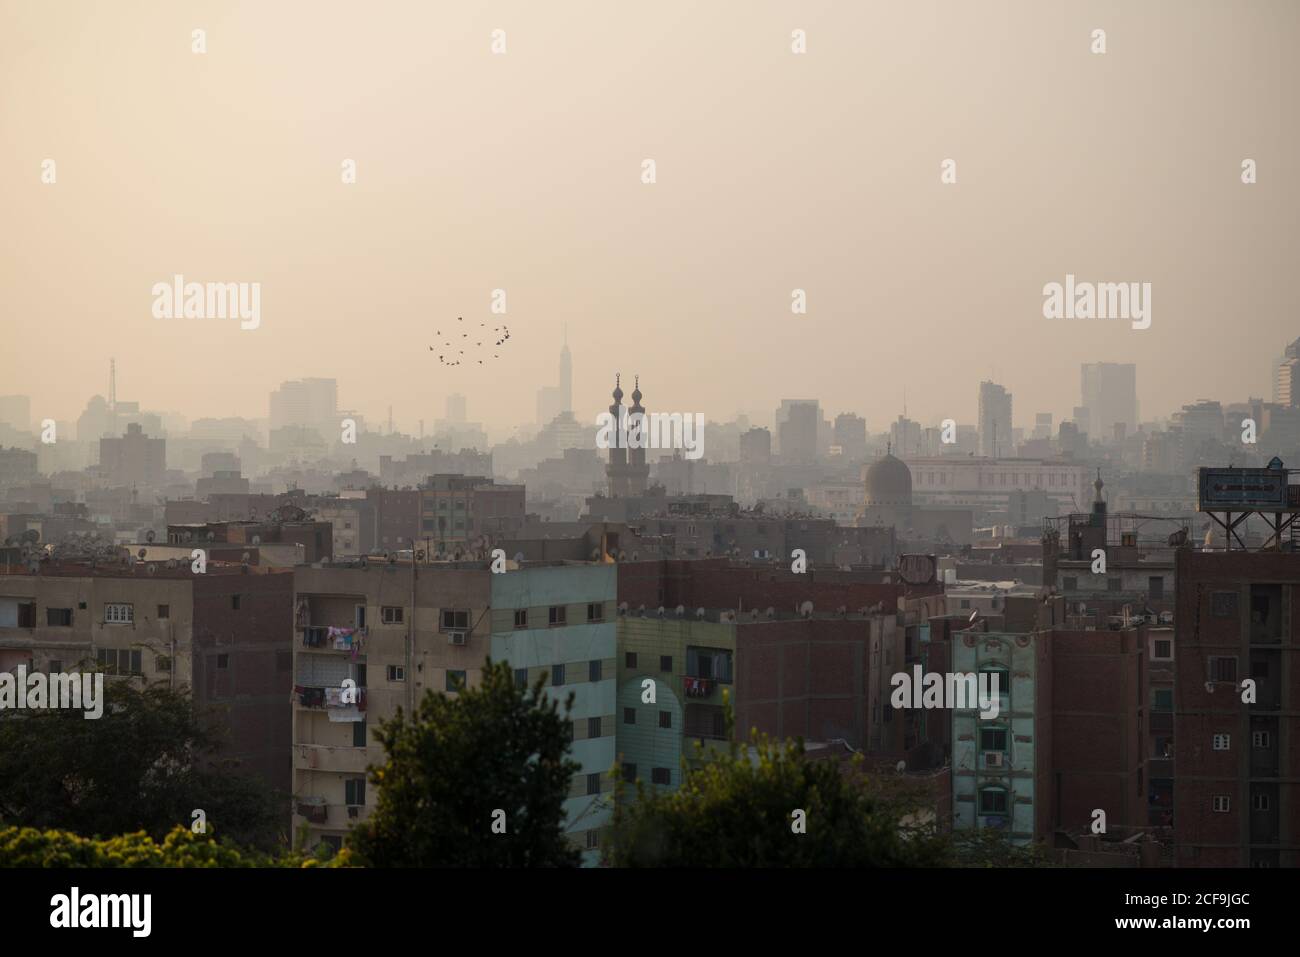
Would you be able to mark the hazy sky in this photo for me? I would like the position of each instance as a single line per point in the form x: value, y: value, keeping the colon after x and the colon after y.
x: 522, y: 171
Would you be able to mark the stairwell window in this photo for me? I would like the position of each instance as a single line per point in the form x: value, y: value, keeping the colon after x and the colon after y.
x: 119, y: 613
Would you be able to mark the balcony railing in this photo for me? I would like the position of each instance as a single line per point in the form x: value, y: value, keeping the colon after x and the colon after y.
x: 699, y: 687
x: 324, y: 757
x: 318, y: 812
x: 330, y: 638
x: 328, y: 698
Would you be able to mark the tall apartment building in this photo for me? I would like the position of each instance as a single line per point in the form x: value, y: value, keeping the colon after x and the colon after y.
x: 1286, y: 384
x: 399, y: 632
x: 133, y: 459
x: 850, y: 435
x: 1108, y: 391
x: 307, y: 403
x: 1236, y: 766
x: 797, y: 422
x: 995, y: 421
x: 224, y: 634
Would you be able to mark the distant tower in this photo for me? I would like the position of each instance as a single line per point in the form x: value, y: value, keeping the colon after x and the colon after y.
x: 638, y: 473
x: 616, y: 470
x: 566, y: 375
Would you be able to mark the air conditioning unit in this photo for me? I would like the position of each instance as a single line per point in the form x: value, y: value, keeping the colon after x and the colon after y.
x: 994, y: 759
x: 456, y: 638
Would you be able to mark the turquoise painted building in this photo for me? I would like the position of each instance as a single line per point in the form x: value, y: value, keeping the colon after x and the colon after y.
x: 561, y: 619
x: 1000, y: 764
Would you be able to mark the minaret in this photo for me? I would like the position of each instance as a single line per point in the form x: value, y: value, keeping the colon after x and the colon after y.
x: 1098, y: 502
x: 566, y: 375
x: 638, y: 472
x: 616, y: 470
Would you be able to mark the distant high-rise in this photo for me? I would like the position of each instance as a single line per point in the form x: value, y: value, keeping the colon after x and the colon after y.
x: 1108, y: 390
x: 554, y: 400
x: 16, y: 410
x: 456, y: 411
x: 755, y: 447
x: 994, y: 420
x: 851, y: 435
x: 1286, y: 387
x: 797, y: 422
x: 310, y: 403
x: 1043, y: 425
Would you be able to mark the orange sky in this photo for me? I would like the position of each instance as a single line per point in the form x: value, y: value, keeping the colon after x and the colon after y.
x: 775, y: 171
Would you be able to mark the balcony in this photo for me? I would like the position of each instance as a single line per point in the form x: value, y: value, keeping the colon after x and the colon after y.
x: 699, y: 687
x: 327, y: 638
x: 327, y: 699
x: 1160, y: 768
x: 316, y: 811
x: 324, y: 757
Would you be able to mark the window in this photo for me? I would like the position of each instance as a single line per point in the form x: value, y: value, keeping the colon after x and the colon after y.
x: 629, y: 715
x: 1070, y: 583
x: 455, y: 680
x: 593, y: 727
x: 162, y: 663
x: 557, y: 675
x: 1221, y: 742
x: 1223, y: 668
x: 359, y: 733
x: 661, y: 776
x: 223, y: 662
x: 119, y: 613
x: 1261, y: 739
x: 568, y: 731
x: 1221, y: 804
x: 354, y: 791
x: 1259, y: 802
x: 965, y: 603
x: 593, y: 670
x: 55, y: 667
x: 993, y: 801
x: 396, y: 672
x: 993, y: 739
x: 629, y: 772
x: 454, y: 620
x: 359, y: 618
x: 666, y: 663
x: 1164, y: 700
x: 558, y: 615
x: 234, y: 603
x: 629, y: 659
x: 1156, y: 587
x: 164, y: 612
x: 391, y: 614
x: 58, y: 617
x: 521, y: 617
x: 521, y: 677
x: 593, y: 783
x: 595, y: 612
x: 593, y: 839
x: 1164, y: 649
x: 119, y: 661
x: 665, y: 719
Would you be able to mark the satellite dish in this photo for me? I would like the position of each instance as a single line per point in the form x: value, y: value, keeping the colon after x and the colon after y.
x: 519, y: 557
x: 142, y: 553
x: 900, y: 767
x: 699, y: 613
x: 1209, y: 686
x: 806, y: 609
x: 246, y: 557
x: 151, y: 568
x: 681, y: 610
x: 771, y: 613
x: 661, y: 611
x: 171, y: 563
x: 148, y: 536
x: 622, y: 608
x: 212, y: 536
x: 420, y: 555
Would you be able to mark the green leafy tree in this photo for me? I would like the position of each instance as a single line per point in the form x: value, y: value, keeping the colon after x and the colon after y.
x: 738, y: 809
x: 986, y: 847
x: 454, y: 763
x: 145, y: 765
x: 29, y: 847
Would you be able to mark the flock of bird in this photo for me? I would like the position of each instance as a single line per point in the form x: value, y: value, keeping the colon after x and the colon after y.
x: 449, y: 358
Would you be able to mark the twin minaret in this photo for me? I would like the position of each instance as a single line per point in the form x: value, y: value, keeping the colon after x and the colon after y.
x: 627, y: 470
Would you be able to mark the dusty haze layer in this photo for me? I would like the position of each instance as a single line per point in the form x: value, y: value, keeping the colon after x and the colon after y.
x: 522, y: 171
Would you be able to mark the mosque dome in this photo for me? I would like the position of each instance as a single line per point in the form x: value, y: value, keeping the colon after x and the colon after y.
x: 889, y: 482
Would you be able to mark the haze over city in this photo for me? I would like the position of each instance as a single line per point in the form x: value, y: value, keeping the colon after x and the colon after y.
x: 522, y: 172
